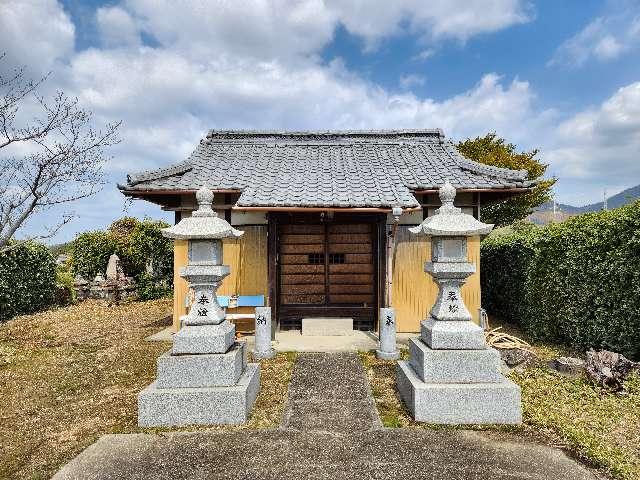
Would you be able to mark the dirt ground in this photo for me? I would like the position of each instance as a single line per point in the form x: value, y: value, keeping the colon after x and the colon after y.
x: 70, y: 375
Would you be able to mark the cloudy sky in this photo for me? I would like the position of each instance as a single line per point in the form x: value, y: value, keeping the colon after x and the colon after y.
x: 560, y: 76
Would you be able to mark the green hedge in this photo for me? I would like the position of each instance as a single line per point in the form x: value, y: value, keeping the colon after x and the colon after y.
x: 576, y: 282
x: 27, y: 279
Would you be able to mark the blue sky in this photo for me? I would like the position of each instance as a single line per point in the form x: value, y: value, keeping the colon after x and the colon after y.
x: 560, y: 76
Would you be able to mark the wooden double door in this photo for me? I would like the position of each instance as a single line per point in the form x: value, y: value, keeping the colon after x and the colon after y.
x: 328, y: 270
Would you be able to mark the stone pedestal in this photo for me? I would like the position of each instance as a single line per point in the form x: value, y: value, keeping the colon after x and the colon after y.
x: 202, y: 388
x: 453, y: 378
x: 388, y: 349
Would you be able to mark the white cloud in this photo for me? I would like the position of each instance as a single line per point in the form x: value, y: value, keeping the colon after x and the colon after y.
x: 35, y: 33
x: 605, y: 38
x: 116, y: 27
x: 601, y: 144
x: 411, y: 80
x: 437, y: 19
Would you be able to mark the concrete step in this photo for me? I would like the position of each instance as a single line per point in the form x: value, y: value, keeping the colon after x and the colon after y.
x: 327, y: 326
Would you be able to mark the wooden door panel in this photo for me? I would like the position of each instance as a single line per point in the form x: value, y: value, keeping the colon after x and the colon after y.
x: 302, y: 299
x: 298, y: 279
x: 300, y: 267
x: 302, y: 289
x: 327, y: 265
x: 290, y: 238
x: 302, y: 248
x: 350, y: 247
x: 350, y: 228
x: 350, y: 279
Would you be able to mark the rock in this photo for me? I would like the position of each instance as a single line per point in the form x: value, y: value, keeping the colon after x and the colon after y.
x: 114, y: 268
x: 568, y: 365
x: 515, y: 356
x: 609, y: 369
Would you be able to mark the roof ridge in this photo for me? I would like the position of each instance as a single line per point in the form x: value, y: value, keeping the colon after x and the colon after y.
x: 424, y: 132
x: 145, y: 176
x: 477, y: 167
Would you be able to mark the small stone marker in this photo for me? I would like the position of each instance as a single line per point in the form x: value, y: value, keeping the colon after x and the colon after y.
x: 388, y: 349
x: 263, y: 347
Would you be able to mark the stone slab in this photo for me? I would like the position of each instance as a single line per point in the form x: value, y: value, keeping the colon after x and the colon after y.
x: 452, y: 335
x: 199, y: 406
x: 454, y: 366
x: 316, y: 326
x: 459, y: 403
x: 277, y: 454
x: 206, y: 370
x: 200, y: 339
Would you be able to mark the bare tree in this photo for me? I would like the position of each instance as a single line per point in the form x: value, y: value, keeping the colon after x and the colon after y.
x: 55, y: 157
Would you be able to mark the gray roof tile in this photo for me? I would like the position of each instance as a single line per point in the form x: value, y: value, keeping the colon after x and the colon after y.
x: 326, y: 169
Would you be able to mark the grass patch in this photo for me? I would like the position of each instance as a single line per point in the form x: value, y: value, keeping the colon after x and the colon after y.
x: 600, y: 428
x: 70, y: 375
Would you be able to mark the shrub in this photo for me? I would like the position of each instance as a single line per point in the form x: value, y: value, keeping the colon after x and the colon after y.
x: 90, y: 252
x: 27, y: 279
x: 138, y: 244
x: 576, y: 282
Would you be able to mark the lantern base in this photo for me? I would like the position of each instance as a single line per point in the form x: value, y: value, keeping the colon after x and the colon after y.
x: 452, y: 335
x: 201, y: 339
x: 168, y: 407
x: 459, y: 403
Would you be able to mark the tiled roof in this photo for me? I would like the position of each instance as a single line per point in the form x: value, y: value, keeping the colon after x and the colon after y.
x: 326, y: 169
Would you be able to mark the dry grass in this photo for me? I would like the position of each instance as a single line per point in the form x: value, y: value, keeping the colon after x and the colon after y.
x: 71, y: 375
x: 600, y: 428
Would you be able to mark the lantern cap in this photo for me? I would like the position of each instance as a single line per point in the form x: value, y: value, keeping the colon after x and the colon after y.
x: 449, y: 221
x: 203, y: 224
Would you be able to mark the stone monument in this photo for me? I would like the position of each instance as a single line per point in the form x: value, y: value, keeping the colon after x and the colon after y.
x: 388, y: 349
x: 205, y: 378
x: 263, y: 349
x: 452, y: 376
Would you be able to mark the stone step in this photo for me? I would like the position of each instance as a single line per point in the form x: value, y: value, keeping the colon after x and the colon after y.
x: 166, y: 407
x: 207, y: 370
x: 459, y: 403
x: 326, y: 326
x: 454, y: 366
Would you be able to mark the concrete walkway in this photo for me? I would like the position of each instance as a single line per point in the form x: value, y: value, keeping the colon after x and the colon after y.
x: 294, y: 341
x: 330, y: 430
x: 330, y: 393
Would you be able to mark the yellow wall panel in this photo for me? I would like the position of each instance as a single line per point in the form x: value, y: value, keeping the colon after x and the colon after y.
x: 247, y: 259
x: 180, y: 285
x: 413, y: 291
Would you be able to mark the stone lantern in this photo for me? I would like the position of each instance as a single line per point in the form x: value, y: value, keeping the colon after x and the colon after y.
x: 205, y: 378
x: 452, y: 376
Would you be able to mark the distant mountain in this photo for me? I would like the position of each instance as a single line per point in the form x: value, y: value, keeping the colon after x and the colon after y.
x: 544, y: 213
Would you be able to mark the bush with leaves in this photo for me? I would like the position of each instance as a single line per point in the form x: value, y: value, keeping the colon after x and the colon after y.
x: 27, y: 279
x: 90, y: 252
x: 576, y: 282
